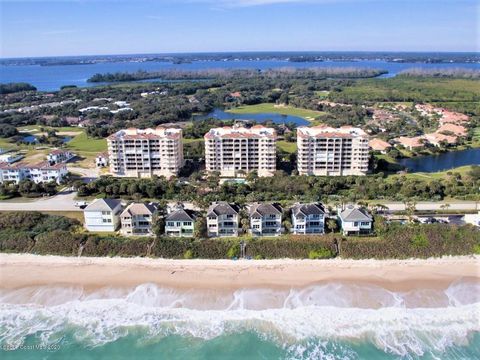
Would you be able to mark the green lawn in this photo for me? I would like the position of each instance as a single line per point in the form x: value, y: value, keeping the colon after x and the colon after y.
x: 188, y: 141
x: 289, y: 147
x: 271, y: 108
x: 83, y: 144
x: 441, y: 175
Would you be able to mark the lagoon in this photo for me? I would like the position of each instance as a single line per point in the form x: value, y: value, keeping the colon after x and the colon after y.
x: 258, y: 117
x: 443, y: 161
x: 51, y: 78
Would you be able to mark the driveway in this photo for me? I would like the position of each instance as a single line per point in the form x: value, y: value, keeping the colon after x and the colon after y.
x: 88, y: 175
x: 63, y: 201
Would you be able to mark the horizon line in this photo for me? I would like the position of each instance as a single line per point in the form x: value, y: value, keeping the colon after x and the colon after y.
x: 244, y: 52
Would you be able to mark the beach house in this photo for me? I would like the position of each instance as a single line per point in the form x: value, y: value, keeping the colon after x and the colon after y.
x: 265, y: 219
x: 222, y: 219
x: 308, y: 219
x: 103, y: 215
x: 355, y: 221
x: 136, y: 219
x: 180, y: 223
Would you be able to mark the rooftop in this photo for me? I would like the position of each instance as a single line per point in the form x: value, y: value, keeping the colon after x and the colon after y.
x: 147, y: 134
x: 103, y: 205
x: 328, y: 131
x: 235, y: 132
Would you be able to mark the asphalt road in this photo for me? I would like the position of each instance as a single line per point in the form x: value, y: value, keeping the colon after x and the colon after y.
x: 63, y: 201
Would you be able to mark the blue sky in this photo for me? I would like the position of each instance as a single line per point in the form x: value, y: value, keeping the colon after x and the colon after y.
x: 69, y: 27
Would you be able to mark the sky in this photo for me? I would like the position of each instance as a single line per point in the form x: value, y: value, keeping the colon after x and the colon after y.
x: 91, y: 27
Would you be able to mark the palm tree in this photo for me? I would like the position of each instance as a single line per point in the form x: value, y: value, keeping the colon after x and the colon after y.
x: 332, y: 225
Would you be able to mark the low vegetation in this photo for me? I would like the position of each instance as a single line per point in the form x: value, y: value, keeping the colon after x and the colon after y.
x: 33, y: 232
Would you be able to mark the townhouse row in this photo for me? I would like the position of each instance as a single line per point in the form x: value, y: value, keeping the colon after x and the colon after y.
x: 54, y: 169
x: 222, y: 219
x: 237, y: 150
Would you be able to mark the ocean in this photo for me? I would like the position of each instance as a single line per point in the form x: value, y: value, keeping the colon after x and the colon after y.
x: 51, y: 78
x: 333, y: 320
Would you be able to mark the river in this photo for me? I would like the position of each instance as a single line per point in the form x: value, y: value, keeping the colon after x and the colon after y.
x: 51, y: 78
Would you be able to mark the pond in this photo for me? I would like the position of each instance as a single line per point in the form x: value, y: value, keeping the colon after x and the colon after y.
x: 442, y: 162
x: 258, y: 117
x: 32, y: 139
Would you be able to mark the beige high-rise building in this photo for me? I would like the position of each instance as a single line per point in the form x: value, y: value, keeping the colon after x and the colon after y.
x: 143, y: 153
x: 238, y: 150
x: 327, y: 151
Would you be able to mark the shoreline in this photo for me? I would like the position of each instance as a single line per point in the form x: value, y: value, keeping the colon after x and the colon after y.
x: 25, y: 270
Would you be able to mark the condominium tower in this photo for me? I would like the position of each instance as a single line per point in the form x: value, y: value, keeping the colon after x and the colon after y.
x: 327, y: 151
x: 143, y: 153
x: 238, y: 150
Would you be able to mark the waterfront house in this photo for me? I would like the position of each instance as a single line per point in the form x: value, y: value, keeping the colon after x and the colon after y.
x: 265, y: 219
x: 411, y: 143
x: 180, y: 223
x: 223, y: 219
x: 103, y: 215
x: 355, y: 221
x: 136, y: 219
x: 379, y: 145
x: 38, y: 173
x: 308, y: 219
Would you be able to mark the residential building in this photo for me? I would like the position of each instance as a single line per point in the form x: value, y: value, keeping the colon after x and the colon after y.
x: 180, y: 223
x: 10, y: 157
x: 101, y: 160
x: 265, y: 219
x: 59, y: 156
x: 457, y: 130
x: 237, y: 150
x: 308, y: 219
x: 42, y: 172
x: 11, y: 172
x: 223, y: 219
x: 103, y: 215
x: 355, y: 221
x: 411, y: 143
x: 136, y: 219
x: 327, y: 151
x: 437, y: 139
x: 144, y: 153
x: 379, y: 145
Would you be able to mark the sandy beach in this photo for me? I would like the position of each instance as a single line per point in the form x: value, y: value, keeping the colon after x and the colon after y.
x: 22, y: 270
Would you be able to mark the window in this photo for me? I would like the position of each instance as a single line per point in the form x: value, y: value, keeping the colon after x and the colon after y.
x: 256, y: 226
x: 106, y: 212
x: 187, y: 223
x: 107, y: 220
x: 170, y: 223
x: 355, y: 223
x: 365, y: 223
x: 179, y: 224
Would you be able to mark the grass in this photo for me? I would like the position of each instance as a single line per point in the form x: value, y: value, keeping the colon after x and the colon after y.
x: 289, y: 147
x: 441, y: 175
x: 188, y: 141
x: 271, y: 108
x: 82, y: 144
x: 77, y: 215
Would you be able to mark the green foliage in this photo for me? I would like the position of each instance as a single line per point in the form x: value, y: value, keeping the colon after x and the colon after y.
x: 416, y: 241
x: 188, y: 254
x: 476, y: 249
x: 7, y: 131
x: 419, y: 241
x: 233, y: 252
x: 10, y: 88
x: 321, y: 253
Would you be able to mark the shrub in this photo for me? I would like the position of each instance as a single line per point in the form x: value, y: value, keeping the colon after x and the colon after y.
x: 419, y: 241
x: 15, y: 241
x: 321, y: 253
x: 58, y: 242
x: 188, y: 254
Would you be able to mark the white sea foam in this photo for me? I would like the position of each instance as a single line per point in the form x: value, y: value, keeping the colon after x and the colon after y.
x: 399, y: 323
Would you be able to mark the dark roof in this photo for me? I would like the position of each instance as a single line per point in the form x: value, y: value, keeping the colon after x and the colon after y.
x: 355, y: 214
x: 308, y: 209
x: 265, y: 209
x: 222, y: 208
x: 103, y: 205
x: 181, y: 215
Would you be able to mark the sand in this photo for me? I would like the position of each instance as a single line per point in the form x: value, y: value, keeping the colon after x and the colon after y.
x: 22, y: 270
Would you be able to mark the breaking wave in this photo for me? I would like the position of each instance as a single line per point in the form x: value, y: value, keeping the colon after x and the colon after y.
x: 400, y: 323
